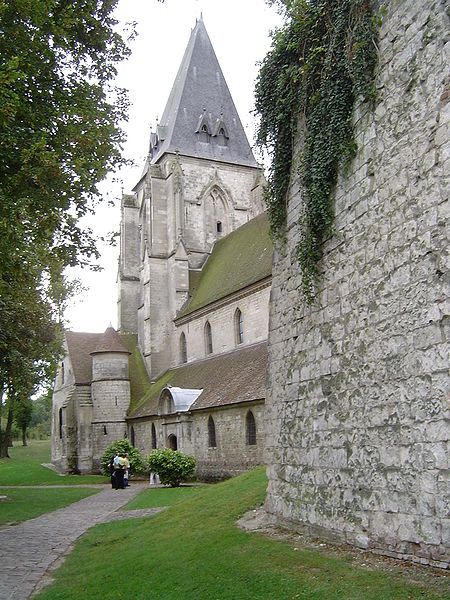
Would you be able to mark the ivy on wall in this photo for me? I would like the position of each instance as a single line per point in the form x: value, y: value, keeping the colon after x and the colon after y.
x: 321, y: 61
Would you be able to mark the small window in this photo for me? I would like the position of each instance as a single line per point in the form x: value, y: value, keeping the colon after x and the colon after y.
x: 172, y: 442
x: 211, y: 433
x: 154, y: 444
x: 238, y: 326
x: 183, y: 348
x: 63, y: 374
x: 60, y: 416
x: 208, y: 338
x: 104, y: 430
x: 250, y: 427
x: 219, y: 226
x: 132, y: 436
x: 204, y: 134
x: 222, y: 139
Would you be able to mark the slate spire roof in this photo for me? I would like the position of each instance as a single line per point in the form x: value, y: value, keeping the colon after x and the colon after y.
x: 200, y: 118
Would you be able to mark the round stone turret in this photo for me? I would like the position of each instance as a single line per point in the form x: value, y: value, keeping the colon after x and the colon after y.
x: 110, y: 391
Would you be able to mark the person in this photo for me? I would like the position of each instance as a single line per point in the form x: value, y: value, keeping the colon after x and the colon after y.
x: 112, y: 471
x: 126, y: 470
x: 119, y: 463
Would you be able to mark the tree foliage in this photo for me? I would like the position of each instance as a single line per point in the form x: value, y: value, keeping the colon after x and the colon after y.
x: 172, y: 466
x: 59, y: 136
x: 320, y: 62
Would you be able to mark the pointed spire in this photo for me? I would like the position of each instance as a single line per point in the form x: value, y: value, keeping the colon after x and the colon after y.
x: 200, y: 92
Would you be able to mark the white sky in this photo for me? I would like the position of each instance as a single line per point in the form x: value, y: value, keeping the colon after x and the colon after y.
x: 239, y: 31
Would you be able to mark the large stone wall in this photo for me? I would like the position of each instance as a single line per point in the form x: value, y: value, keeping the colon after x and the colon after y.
x: 357, y: 414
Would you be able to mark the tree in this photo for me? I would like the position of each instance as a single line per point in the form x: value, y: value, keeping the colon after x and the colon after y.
x: 171, y: 466
x: 22, y: 415
x: 59, y: 136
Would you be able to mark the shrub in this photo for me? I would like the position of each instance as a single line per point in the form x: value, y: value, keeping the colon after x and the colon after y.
x: 171, y: 466
x: 137, y: 463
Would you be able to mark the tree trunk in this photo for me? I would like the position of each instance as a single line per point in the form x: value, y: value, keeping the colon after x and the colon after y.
x: 24, y: 436
x: 6, y: 435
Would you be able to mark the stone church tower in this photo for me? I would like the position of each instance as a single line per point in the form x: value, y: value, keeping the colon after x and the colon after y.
x: 199, y: 183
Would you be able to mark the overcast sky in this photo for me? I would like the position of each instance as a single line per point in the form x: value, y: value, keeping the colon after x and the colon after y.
x: 239, y: 31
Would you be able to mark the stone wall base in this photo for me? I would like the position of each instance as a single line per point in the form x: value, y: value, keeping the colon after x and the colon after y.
x: 423, y: 554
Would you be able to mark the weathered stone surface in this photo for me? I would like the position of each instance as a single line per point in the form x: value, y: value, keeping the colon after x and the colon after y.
x: 357, y: 414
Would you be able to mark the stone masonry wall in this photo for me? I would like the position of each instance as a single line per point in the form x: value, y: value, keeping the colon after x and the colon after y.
x: 357, y: 413
x: 232, y: 455
x: 254, y: 308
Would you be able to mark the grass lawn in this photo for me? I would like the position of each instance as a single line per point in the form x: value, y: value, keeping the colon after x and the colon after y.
x: 24, y: 468
x: 194, y: 551
x: 21, y: 505
x: 155, y: 497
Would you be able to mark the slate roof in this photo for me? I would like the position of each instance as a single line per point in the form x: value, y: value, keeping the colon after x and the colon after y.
x: 226, y: 379
x: 200, y: 95
x: 80, y: 345
x: 110, y: 342
x: 238, y: 260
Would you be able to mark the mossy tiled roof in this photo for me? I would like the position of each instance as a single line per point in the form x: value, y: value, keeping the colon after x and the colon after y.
x: 229, y: 378
x: 139, y: 379
x: 238, y: 260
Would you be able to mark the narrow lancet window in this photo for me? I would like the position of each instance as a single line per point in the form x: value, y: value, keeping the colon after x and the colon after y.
x: 211, y: 433
x: 250, y: 426
x: 183, y: 348
x: 208, y: 338
x: 238, y: 327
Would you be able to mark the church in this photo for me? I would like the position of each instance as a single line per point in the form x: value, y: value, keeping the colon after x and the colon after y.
x: 186, y: 368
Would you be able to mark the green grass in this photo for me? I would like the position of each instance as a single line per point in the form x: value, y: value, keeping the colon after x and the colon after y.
x: 194, y: 551
x: 24, y: 468
x: 21, y: 505
x: 155, y: 497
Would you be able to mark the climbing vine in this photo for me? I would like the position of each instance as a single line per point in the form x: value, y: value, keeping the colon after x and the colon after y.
x: 322, y: 59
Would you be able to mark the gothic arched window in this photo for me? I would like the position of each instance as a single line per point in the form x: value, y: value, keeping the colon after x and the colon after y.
x: 132, y: 436
x: 183, y: 348
x: 208, y: 338
x: 250, y: 429
x: 211, y: 433
x: 63, y: 375
x: 154, y: 444
x: 238, y: 327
